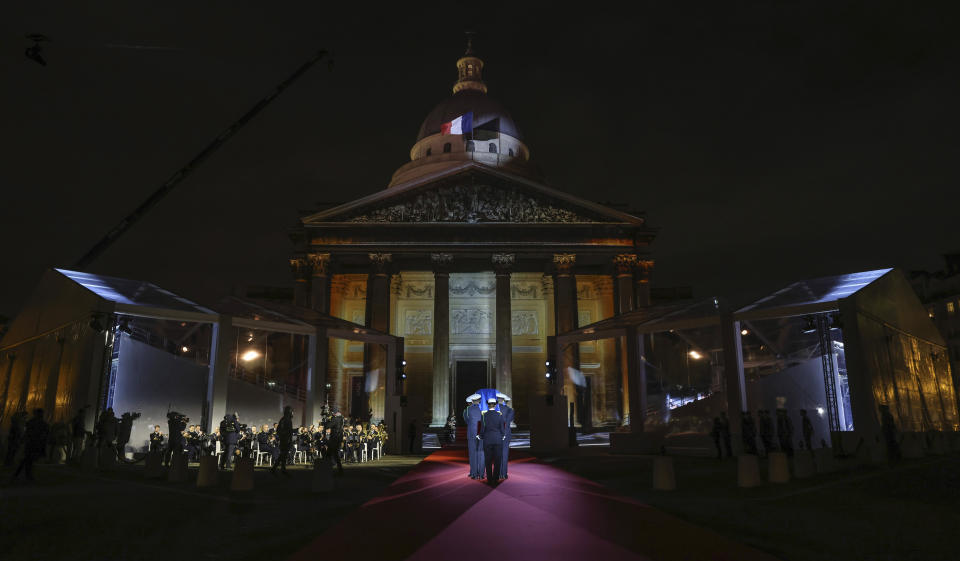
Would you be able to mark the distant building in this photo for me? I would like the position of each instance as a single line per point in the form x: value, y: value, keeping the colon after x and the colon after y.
x: 940, y: 293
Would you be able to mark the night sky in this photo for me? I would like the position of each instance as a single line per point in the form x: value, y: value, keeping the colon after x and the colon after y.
x: 769, y: 143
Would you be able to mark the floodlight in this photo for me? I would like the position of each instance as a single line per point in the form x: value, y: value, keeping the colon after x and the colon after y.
x: 744, y: 332
x: 250, y: 355
x: 185, y: 348
x: 695, y: 355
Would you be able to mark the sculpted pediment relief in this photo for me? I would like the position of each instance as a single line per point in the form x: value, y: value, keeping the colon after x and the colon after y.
x: 472, y: 204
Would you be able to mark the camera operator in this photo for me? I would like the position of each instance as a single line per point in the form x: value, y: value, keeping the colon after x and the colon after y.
x: 229, y: 436
x: 176, y: 424
x: 123, y: 431
x: 107, y: 429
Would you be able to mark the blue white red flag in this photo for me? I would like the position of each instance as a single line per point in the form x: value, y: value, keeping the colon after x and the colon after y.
x: 461, y: 125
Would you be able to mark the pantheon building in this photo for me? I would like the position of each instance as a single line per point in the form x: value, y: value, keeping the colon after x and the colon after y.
x: 473, y: 260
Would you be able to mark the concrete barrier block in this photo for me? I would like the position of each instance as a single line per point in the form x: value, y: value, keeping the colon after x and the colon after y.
x: 748, y: 471
x: 207, y: 476
x: 824, y: 460
x: 178, y: 469
x: 242, y: 479
x: 664, y: 478
x: 154, y: 466
x: 778, y: 467
x: 803, y: 466
x: 322, y: 477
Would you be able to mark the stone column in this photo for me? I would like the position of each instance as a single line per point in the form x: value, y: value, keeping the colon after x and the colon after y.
x: 320, y: 283
x: 442, y: 408
x: 637, y: 378
x: 502, y: 264
x: 300, y: 267
x: 565, y: 309
x: 378, y: 317
x: 644, y: 269
x: 624, y: 265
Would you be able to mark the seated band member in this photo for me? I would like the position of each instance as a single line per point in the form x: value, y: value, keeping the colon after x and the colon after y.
x: 264, y: 439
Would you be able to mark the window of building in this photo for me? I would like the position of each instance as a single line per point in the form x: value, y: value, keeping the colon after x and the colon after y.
x: 950, y: 308
x: 492, y: 148
x: 510, y: 151
x: 429, y: 151
x: 470, y: 147
x: 446, y: 147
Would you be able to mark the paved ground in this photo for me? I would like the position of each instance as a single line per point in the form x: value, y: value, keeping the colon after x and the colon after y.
x: 120, y: 515
x: 897, y: 513
x: 436, y: 512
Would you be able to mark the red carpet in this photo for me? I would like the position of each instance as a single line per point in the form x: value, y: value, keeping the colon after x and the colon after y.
x: 435, y: 512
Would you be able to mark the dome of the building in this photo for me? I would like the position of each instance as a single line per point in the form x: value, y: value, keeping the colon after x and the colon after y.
x: 445, y: 141
x: 488, y: 114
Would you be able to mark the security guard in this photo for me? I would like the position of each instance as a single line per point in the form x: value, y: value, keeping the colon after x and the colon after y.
x: 471, y: 416
x: 491, y: 434
x: 508, y: 414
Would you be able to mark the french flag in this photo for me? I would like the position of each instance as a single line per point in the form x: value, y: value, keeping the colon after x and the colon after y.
x: 461, y: 125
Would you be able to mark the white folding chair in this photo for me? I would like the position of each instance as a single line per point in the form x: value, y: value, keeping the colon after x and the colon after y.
x: 298, y: 453
x: 259, y: 455
x: 375, y: 450
x: 363, y: 453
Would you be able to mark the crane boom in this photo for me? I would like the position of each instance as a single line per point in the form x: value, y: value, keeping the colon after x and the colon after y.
x: 186, y: 170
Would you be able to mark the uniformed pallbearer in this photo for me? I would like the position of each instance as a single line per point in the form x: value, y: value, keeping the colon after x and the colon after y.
x: 508, y: 414
x: 491, y: 434
x: 471, y: 416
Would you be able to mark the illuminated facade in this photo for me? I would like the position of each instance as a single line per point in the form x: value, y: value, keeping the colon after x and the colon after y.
x: 475, y: 262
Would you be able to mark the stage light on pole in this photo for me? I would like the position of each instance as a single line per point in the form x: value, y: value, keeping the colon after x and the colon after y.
x: 744, y: 332
x: 250, y: 355
x: 184, y: 349
x: 695, y: 355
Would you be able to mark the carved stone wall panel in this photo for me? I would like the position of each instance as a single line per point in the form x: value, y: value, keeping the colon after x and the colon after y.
x: 420, y: 291
x: 525, y: 322
x: 418, y: 322
x: 525, y: 291
x: 474, y: 204
x: 471, y: 321
x: 472, y: 287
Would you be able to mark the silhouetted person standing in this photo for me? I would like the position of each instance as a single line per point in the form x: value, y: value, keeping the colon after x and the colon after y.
x: 806, y: 427
x: 766, y: 430
x: 285, y: 437
x: 749, y: 433
x: 15, y: 436
x: 889, y: 429
x: 492, y: 434
x: 335, y: 439
x: 715, y: 433
x: 725, y: 433
x: 77, y: 433
x: 34, y: 443
x: 230, y: 433
x: 785, y: 432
